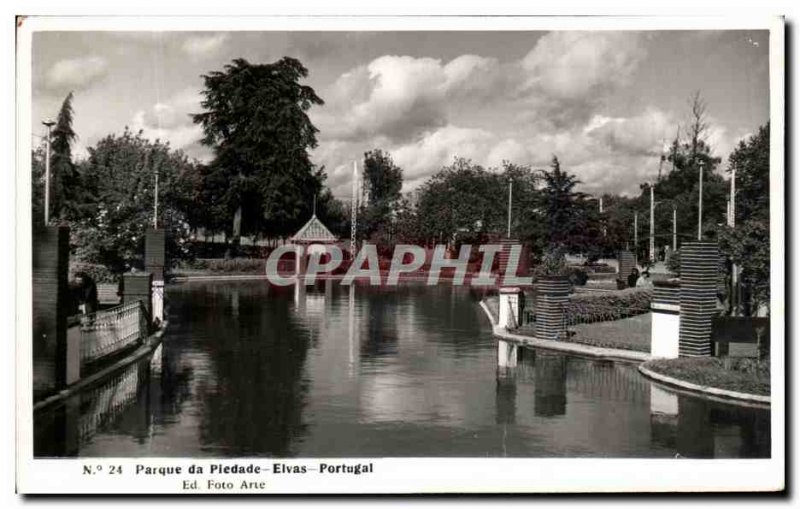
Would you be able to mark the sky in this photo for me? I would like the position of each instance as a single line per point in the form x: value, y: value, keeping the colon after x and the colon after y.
x: 605, y: 102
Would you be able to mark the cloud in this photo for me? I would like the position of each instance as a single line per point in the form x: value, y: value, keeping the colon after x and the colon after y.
x: 644, y: 135
x: 559, y: 84
x: 425, y: 157
x: 170, y: 121
x: 567, y: 75
x: 400, y: 97
x: 198, y: 46
x: 76, y: 73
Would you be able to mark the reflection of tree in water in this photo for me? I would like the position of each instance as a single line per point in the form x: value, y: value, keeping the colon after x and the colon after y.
x: 451, y: 313
x: 254, y: 402
x: 381, y: 336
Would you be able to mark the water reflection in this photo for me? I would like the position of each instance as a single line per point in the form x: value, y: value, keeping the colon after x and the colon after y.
x: 551, y: 385
x: 328, y: 370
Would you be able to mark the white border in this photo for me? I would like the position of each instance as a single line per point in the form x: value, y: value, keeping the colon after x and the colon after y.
x: 420, y: 475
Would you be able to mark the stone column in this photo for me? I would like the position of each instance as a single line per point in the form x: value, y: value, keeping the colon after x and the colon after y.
x: 504, y: 255
x: 50, y: 307
x: 627, y: 262
x: 551, y: 296
x: 510, y: 310
x: 698, y: 299
x: 155, y: 262
x: 138, y: 286
x: 665, y: 323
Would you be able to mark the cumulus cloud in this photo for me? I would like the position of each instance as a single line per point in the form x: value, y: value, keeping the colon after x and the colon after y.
x: 400, y: 97
x: 76, y: 73
x: 170, y: 120
x: 642, y: 135
x: 198, y: 46
x: 568, y: 74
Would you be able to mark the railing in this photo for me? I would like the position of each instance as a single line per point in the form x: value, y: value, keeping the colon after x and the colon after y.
x: 106, y: 332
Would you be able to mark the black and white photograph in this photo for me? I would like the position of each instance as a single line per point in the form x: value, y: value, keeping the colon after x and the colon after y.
x: 369, y: 256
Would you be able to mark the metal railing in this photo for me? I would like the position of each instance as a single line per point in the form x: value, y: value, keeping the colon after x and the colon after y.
x: 106, y: 332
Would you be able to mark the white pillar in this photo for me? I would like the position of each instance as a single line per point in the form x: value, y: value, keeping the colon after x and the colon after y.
x: 510, y: 308
x: 158, y: 301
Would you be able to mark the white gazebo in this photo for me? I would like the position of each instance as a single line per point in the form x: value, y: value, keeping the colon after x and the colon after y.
x: 313, y: 237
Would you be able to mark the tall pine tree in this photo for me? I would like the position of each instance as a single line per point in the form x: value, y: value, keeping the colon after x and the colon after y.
x: 68, y: 197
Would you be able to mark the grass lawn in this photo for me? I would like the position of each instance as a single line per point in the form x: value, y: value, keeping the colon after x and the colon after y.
x: 631, y: 333
x: 733, y: 374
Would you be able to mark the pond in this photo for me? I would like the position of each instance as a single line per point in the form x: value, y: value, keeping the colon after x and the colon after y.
x: 249, y: 369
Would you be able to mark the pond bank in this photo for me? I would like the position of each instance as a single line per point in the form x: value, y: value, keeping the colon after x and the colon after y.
x: 646, y: 362
x: 149, y: 344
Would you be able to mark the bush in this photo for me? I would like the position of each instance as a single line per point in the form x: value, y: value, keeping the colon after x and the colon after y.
x: 589, y: 308
x: 229, y: 266
x: 674, y: 262
x: 98, y: 273
x: 578, y: 277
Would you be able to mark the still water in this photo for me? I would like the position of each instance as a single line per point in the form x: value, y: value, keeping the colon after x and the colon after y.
x: 252, y: 370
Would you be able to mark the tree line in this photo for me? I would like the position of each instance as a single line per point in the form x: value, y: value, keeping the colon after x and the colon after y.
x: 261, y: 183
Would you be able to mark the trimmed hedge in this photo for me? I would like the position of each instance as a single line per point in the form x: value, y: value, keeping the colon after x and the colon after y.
x: 589, y: 308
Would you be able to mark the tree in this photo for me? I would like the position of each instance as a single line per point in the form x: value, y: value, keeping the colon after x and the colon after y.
x: 748, y: 243
x: 68, y: 197
x: 566, y: 219
x: 383, y: 180
x: 680, y: 187
x: 256, y: 120
x: 37, y: 185
x: 459, y: 203
x: 122, y: 170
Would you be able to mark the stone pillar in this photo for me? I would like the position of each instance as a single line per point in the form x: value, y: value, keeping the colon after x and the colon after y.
x: 154, y: 263
x: 503, y: 256
x: 665, y: 323
x: 73, y: 357
x: 138, y: 286
x: 510, y: 312
x: 50, y: 307
x: 627, y: 262
x: 698, y: 299
x: 551, y: 296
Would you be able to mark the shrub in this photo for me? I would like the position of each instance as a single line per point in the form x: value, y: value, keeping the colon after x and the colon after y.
x: 98, y: 273
x: 674, y: 262
x: 578, y: 277
x: 228, y: 266
x: 588, y: 308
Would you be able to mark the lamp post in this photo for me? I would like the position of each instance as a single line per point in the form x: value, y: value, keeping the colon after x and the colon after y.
x: 700, y: 204
x: 636, y: 235
x: 49, y: 124
x: 674, y: 227
x: 652, y: 225
x: 510, y: 185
